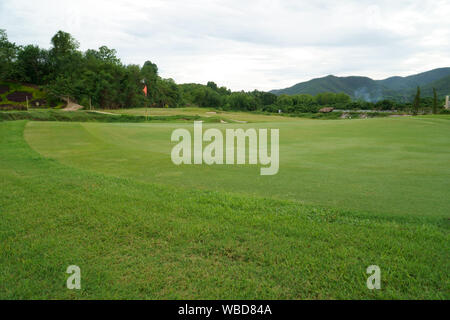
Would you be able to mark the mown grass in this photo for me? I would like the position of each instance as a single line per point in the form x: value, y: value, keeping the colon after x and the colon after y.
x: 393, y: 166
x: 139, y: 240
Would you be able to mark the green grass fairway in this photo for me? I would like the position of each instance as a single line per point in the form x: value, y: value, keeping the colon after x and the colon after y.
x: 203, y: 112
x: 391, y: 166
x: 136, y: 239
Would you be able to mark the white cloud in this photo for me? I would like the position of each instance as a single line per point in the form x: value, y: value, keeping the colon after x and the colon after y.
x: 248, y: 44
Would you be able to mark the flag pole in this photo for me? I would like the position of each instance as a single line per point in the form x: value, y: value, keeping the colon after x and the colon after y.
x: 146, y: 103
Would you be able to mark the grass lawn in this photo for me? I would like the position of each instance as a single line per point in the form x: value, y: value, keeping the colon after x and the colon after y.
x: 204, y: 112
x: 107, y: 198
x: 387, y: 165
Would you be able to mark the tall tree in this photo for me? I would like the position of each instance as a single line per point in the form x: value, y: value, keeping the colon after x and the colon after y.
x: 212, y: 85
x: 416, y: 103
x: 435, y: 103
x: 32, y: 64
x: 64, y: 57
x: 104, y: 54
x: 63, y: 43
x: 8, y: 52
x: 149, y: 73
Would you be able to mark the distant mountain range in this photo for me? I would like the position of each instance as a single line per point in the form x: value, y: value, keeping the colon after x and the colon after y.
x: 395, y: 88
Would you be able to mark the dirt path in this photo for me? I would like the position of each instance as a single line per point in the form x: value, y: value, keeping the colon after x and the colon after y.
x: 72, y: 106
x: 104, y: 112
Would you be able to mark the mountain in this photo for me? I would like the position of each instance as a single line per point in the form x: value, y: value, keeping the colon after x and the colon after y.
x: 442, y: 87
x: 396, y: 88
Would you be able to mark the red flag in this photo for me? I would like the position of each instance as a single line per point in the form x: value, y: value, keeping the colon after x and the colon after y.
x: 145, y: 90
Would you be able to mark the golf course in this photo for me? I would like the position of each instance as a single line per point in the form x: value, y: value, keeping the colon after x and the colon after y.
x: 105, y: 196
x: 224, y: 159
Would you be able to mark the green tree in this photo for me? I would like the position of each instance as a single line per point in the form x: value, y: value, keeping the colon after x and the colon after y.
x: 108, y: 55
x: 326, y: 98
x: 223, y: 91
x: 64, y: 59
x: 32, y: 64
x: 303, y: 99
x: 212, y: 85
x: 267, y: 98
x: 385, y: 105
x: 342, y: 98
x: 167, y: 93
x: 241, y: 101
x: 263, y: 98
x: 210, y: 98
x: 149, y: 73
x: 63, y: 44
x: 8, y: 52
x: 104, y: 54
x: 285, y: 101
x: 131, y: 89
x: 435, y: 101
x: 62, y: 88
x: 416, y: 103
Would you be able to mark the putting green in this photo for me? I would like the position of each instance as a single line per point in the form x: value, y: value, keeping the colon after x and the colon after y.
x: 384, y: 165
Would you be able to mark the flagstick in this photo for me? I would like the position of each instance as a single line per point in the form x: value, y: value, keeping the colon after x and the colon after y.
x: 146, y: 110
x: 146, y: 103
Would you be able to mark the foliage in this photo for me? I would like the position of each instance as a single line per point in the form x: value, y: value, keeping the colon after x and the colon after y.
x: 8, y: 53
x: 94, y: 76
x: 416, y: 103
x: 435, y: 101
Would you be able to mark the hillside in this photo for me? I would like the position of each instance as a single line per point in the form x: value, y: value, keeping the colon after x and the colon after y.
x: 329, y: 84
x: 397, y: 88
x: 442, y: 86
x: 14, y: 95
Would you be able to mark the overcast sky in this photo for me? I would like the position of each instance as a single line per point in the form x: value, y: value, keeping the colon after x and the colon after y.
x: 245, y: 44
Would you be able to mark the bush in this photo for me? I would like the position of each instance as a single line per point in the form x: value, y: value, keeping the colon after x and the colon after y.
x: 385, y: 105
x: 53, y: 101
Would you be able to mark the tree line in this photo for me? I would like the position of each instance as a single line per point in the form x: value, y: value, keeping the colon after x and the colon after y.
x: 99, y: 78
x: 96, y: 77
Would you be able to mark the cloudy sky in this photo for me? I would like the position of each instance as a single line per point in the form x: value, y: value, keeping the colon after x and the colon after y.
x: 247, y: 45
